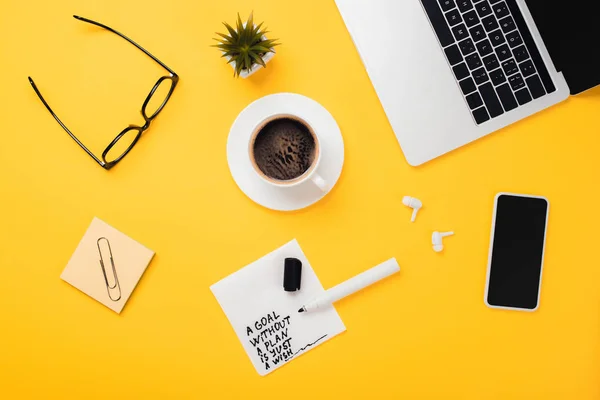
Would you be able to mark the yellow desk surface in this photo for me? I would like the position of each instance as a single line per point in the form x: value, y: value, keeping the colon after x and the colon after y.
x: 423, y: 334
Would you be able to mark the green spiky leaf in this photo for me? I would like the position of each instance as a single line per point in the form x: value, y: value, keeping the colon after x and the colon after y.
x: 232, y: 32
x: 246, y: 45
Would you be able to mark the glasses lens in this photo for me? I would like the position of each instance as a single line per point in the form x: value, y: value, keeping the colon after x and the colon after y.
x: 157, y: 99
x: 122, y: 145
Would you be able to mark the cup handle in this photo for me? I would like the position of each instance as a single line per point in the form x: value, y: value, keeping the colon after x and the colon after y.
x: 320, y: 182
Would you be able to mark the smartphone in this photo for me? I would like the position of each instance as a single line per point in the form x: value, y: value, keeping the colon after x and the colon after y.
x: 517, y: 245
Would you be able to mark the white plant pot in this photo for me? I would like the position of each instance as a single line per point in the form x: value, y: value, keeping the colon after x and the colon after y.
x: 246, y: 73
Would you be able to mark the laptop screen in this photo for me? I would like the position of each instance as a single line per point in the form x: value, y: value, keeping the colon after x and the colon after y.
x: 571, y: 32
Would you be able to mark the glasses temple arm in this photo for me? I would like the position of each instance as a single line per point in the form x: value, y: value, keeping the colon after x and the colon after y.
x: 63, y: 125
x: 126, y: 38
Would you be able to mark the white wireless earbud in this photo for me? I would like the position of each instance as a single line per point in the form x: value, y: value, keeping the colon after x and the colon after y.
x: 436, y: 240
x: 413, y: 203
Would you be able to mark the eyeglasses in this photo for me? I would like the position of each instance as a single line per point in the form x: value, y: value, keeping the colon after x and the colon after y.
x: 129, y: 136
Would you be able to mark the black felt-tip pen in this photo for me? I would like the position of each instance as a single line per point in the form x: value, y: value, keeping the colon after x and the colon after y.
x: 353, y: 285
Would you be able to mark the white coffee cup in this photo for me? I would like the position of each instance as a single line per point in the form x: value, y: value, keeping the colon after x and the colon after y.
x: 309, y: 175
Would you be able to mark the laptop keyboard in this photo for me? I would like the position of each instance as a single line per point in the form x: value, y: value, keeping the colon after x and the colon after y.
x: 491, y: 52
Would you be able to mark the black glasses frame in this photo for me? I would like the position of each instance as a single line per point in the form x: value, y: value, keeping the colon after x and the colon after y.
x: 172, y: 77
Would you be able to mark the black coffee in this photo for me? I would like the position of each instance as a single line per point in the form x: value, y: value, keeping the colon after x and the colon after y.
x: 284, y: 149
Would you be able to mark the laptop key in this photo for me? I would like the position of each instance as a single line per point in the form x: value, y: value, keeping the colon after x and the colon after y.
x: 535, y: 86
x: 484, y: 47
x: 460, y: 32
x: 467, y: 85
x: 460, y: 71
x: 521, y: 53
x: 503, y: 52
x: 480, y: 76
x: 516, y: 82
x: 514, y: 39
x: 506, y: 97
x: 501, y: 10
x: 473, y: 61
x: 447, y: 4
x: 497, y: 76
x: 490, y: 98
x: 510, y: 67
x: 483, y: 8
x: 466, y: 47
x: 489, y: 23
x: 481, y: 115
x: 523, y: 96
x: 477, y: 33
x: 453, y: 54
x: 507, y: 24
x: 527, y: 68
x: 491, y: 62
x: 436, y: 17
x: 474, y: 100
x: 471, y: 18
x: 497, y: 38
x: 464, y: 5
x: 494, y: 1
x: 453, y: 17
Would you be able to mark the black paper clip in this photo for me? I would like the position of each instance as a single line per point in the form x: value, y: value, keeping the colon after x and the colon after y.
x: 112, y: 262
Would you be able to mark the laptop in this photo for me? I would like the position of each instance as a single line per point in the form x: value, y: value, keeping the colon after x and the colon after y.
x: 449, y: 72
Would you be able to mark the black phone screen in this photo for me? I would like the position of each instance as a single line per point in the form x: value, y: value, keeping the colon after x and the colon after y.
x: 517, y: 252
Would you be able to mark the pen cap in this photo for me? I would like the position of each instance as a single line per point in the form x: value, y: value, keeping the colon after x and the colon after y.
x: 292, y: 274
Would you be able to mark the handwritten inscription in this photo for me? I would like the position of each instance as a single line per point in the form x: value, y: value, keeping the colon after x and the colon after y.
x: 271, y: 339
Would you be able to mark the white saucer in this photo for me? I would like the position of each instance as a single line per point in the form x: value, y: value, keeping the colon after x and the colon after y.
x: 330, y: 139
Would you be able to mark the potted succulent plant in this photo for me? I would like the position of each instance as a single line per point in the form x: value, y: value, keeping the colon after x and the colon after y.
x: 246, y: 47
